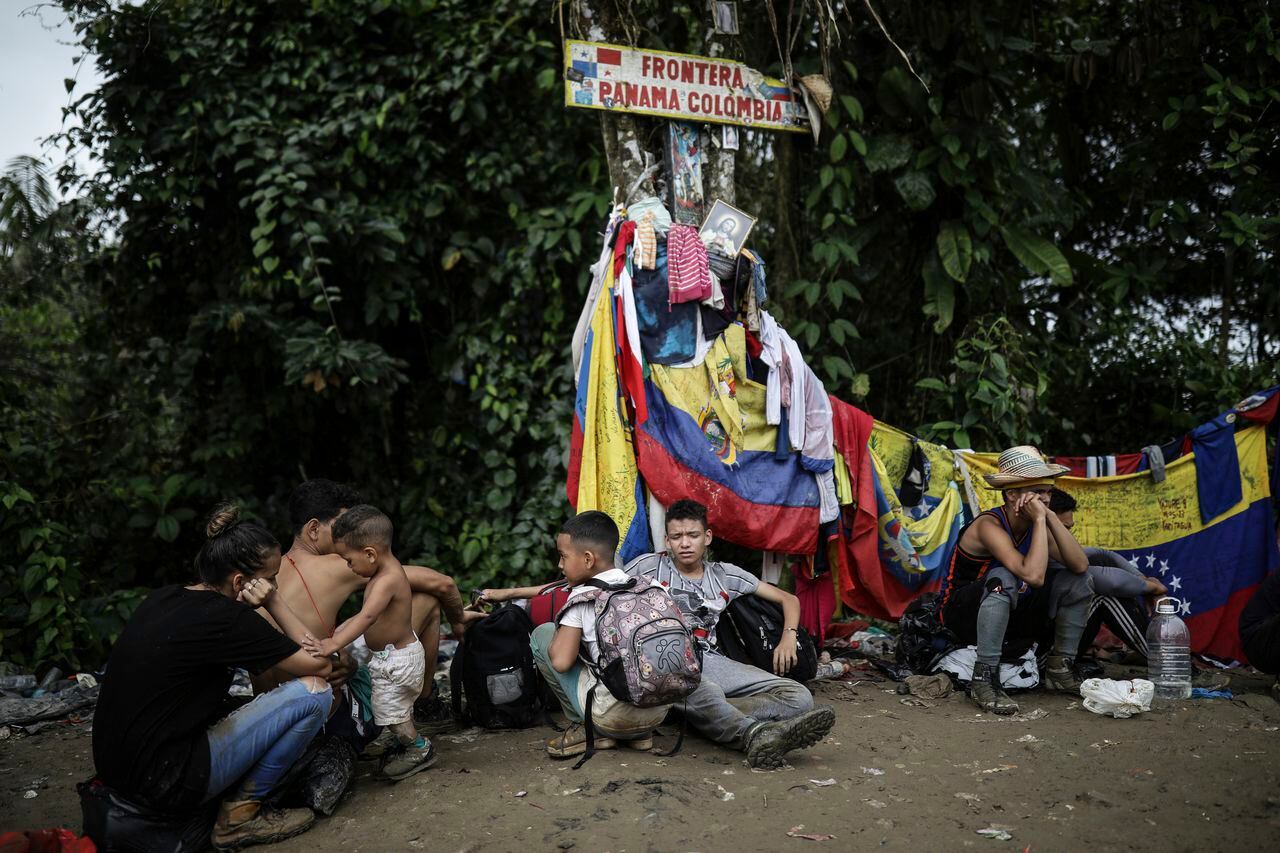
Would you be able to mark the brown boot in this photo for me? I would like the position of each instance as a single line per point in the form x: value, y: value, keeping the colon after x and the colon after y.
x: 1060, y: 676
x: 241, y: 823
x: 987, y: 693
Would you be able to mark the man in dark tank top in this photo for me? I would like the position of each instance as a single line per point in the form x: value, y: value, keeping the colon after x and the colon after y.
x: 998, y: 591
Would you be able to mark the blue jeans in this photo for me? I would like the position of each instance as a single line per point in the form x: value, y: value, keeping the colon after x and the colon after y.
x: 563, y: 684
x: 260, y: 741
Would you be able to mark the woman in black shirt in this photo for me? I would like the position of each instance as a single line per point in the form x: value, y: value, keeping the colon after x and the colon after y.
x: 160, y: 736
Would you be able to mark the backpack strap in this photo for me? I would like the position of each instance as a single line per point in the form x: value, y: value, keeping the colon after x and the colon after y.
x: 598, y: 587
x: 455, y: 683
x: 684, y: 723
x: 611, y: 587
x: 589, y: 724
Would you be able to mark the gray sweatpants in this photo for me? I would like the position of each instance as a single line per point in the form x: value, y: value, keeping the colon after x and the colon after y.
x: 733, y: 697
x: 1066, y: 604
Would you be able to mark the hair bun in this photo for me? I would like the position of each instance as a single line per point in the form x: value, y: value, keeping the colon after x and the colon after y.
x: 224, y: 517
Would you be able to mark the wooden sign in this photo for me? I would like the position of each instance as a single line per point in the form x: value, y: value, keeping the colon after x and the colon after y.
x: 678, y: 86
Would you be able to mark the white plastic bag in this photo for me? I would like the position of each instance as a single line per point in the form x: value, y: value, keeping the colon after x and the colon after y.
x: 1023, y: 675
x: 1120, y: 699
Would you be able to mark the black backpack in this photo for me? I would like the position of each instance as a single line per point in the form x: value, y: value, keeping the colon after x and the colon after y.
x: 923, y: 640
x: 751, y: 628
x: 493, y: 674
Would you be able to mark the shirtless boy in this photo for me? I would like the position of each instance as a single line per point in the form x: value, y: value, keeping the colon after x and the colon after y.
x: 362, y: 537
x: 315, y: 583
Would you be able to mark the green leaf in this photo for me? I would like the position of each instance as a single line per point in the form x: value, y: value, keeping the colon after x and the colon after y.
x: 860, y: 386
x: 470, y: 551
x: 916, y: 190
x: 931, y: 384
x: 836, y: 367
x: 939, y: 295
x: 955, y: 249
x: 853, y: 107
x: 1038, y: 255
x: 859, y: 144
x: 167, y: 528
x: 1171, y: 121
x: 269, y: 264
x: 886, y: 153
x: 838, y: 147
x: 40, y: 608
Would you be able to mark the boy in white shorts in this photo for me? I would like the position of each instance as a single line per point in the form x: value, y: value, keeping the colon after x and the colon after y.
x: 362, y: 536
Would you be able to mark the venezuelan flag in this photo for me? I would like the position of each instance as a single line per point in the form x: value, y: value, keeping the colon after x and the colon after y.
x: 1211, y: 569
x: 706, y: 438
x: 602, y: 460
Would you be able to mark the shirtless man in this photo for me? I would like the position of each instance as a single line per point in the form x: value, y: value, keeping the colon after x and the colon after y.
x: 998, y: 586
x: 315, y: 582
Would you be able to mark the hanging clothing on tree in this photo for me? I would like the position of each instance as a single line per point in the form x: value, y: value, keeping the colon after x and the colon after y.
x: 668, y: 333
x: 687, y: 270
x: 644, y: 254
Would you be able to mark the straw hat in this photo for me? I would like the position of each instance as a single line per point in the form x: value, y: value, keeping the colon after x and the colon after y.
x: 1023, y: 466
x: 819, y: 89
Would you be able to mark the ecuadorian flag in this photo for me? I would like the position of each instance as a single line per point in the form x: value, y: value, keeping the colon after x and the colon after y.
x: 706, y: 438
x: 903, y: 556
x: 1211, y: 569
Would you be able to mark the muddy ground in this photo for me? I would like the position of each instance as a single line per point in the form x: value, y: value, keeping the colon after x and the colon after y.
x: 1198, y: 775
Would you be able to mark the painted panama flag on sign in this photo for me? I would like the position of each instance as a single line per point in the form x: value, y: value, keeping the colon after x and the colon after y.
x: 678, y: 86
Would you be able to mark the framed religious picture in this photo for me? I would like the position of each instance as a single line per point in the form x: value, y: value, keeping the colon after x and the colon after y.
x: 726, y: 228
x: 724, y: 13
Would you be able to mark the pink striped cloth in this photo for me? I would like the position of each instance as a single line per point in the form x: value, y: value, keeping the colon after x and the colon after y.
x: 688, y: 276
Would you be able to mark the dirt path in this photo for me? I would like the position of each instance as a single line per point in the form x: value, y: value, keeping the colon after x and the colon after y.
x: 1200, y: 775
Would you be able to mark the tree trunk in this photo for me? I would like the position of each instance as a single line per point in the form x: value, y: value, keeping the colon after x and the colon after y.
x: 632, y: 143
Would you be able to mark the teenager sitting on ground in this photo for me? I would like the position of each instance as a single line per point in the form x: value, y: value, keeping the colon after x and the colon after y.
x: 1119, y: 588
x: 736, y: 704
x: 362, y: 538
x: 159, y: 734
x: 586, y: 544
x: 998, y: 587
x: 316, y: 583
x: 763, y: 714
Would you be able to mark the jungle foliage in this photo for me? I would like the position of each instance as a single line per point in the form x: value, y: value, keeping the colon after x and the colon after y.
x: 351, y: 239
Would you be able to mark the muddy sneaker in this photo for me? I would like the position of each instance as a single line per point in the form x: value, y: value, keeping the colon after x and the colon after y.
x: 643, y: 744
x: 432, y: 715
x: 1060, y: 676
x: 242, y: 823
x: 404, y: 761
x: 986, y: 692
x: 379, y: 747
x: 768, y: 745
x: 573, y: 741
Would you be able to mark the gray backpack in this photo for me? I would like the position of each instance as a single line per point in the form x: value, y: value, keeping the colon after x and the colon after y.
x: 647, y: 656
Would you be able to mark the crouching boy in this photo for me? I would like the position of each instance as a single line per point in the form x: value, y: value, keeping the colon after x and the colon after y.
x: 362, y: 536
x: 586, y: 544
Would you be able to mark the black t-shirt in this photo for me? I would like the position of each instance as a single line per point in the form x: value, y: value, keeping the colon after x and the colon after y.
x: 166, y: 683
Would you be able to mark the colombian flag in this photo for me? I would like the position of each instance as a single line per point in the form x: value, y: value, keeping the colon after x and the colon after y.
x: 1211, y: 569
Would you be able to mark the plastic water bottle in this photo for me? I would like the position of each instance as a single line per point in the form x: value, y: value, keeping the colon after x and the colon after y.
x: 1169, y: 652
